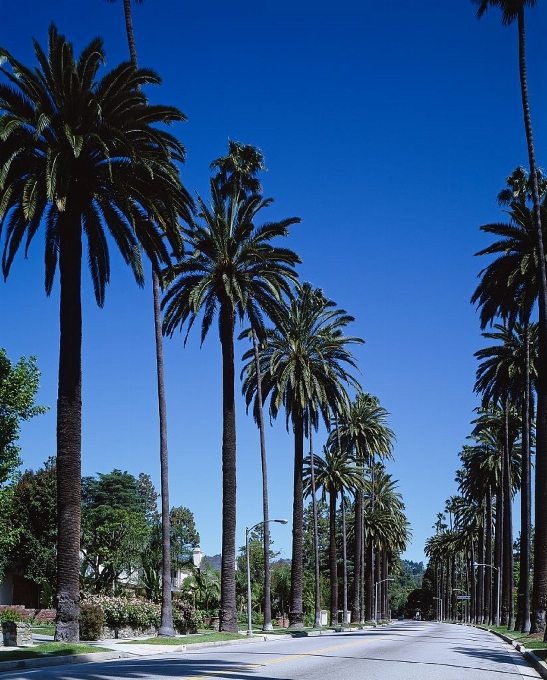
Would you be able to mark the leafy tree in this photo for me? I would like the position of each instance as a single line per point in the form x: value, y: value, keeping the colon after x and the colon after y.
x: 184, y: 537
x: 232, y: 269
x: 34, y: 507
x: 114, y: 529
x: 83, y: 156
x: 19, y: 384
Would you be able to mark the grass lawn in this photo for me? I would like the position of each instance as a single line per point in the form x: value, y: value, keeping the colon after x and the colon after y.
x: 186, y: 639
x: 49, y: 649
x: 533, y: 642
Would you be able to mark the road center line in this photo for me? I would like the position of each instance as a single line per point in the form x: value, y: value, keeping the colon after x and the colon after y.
x: 283, y: 659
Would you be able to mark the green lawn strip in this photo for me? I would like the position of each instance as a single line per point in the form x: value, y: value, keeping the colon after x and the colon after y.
x: 48, y: 649
x: 43, y: 630
x: 185, y: 639
x: 534, y: 641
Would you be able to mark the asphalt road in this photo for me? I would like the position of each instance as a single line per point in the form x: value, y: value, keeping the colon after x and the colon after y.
x: 407, y: 649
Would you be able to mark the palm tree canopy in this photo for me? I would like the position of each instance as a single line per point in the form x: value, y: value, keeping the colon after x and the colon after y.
x: 334, y: 473
x: 502, y: 366
x: 510, y: 284
x: 509, y: 8
x: 237, y: 171
x: 87, y: 151
x: 364, y: 430
x: 302, y: 363
x: 230, y: 260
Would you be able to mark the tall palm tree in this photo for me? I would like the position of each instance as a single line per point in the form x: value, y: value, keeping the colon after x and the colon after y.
x: 237, y: 176
x: 166, y: 626
x: 85, y: 156
x: 231, y: 268
x: 515, y: 10
x: 303, y: 370
x: 364, y: 431
x: 335, y: 473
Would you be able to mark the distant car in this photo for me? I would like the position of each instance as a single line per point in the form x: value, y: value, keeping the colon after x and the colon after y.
x: 400, y: 617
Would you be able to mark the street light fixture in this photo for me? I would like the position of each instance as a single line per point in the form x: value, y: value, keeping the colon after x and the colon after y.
x: 498, y: 596
x: 376, y: 597
x: 247, y: 532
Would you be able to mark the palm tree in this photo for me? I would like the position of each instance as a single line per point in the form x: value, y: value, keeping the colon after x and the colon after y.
x: 302, y: 366
x: 166, y: 626
x: 515, y: 10
x: 237, y: 176
x: 335, y: 473
x: 83, y: 155
x: 364, y: 431
x: 232, y: 268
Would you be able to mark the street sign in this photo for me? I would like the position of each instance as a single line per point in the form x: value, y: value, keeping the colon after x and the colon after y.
x: 463, y: 597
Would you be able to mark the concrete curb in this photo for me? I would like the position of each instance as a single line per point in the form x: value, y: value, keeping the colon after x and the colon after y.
x: 539, y: 665
x: 45, y: 661
x: 125, y: 653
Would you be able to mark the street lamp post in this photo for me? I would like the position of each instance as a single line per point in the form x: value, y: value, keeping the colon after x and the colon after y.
x: 376, y: 597
x: 498, y: 590
x: 440, y: 607
x: 247, y: 533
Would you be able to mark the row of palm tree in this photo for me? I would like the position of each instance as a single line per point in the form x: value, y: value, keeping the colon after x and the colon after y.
x: 377, y: 522
x: 498, y: 462
x: 511, y: 288
x: 87, y: 156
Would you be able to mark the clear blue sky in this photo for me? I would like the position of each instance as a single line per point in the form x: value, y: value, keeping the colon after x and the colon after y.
x: 388, y: 128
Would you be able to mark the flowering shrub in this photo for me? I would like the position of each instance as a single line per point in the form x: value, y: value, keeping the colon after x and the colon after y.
x: 119, y: 611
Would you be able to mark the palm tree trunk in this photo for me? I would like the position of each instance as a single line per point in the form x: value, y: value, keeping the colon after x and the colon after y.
x: 166, y: 625
x: 267, y: 625
x: 166, y: 628
x: 69, y: 432
x: 228, y: 607
x: 523, y: 615
x: 333, y: 559
x: 345, y: 616
x: 488, y: 575
x: 508, y: 614
x: 498, y: 550
x: 358, y: 541
x: 317, y: 582
x: 296, y: 612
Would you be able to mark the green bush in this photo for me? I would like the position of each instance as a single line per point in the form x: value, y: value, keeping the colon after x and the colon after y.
x: 10, y: 616
x: 185, y: 618
x: 91, y: 622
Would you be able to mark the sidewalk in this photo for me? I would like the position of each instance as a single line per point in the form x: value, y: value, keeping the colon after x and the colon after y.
x: 120, y: 649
